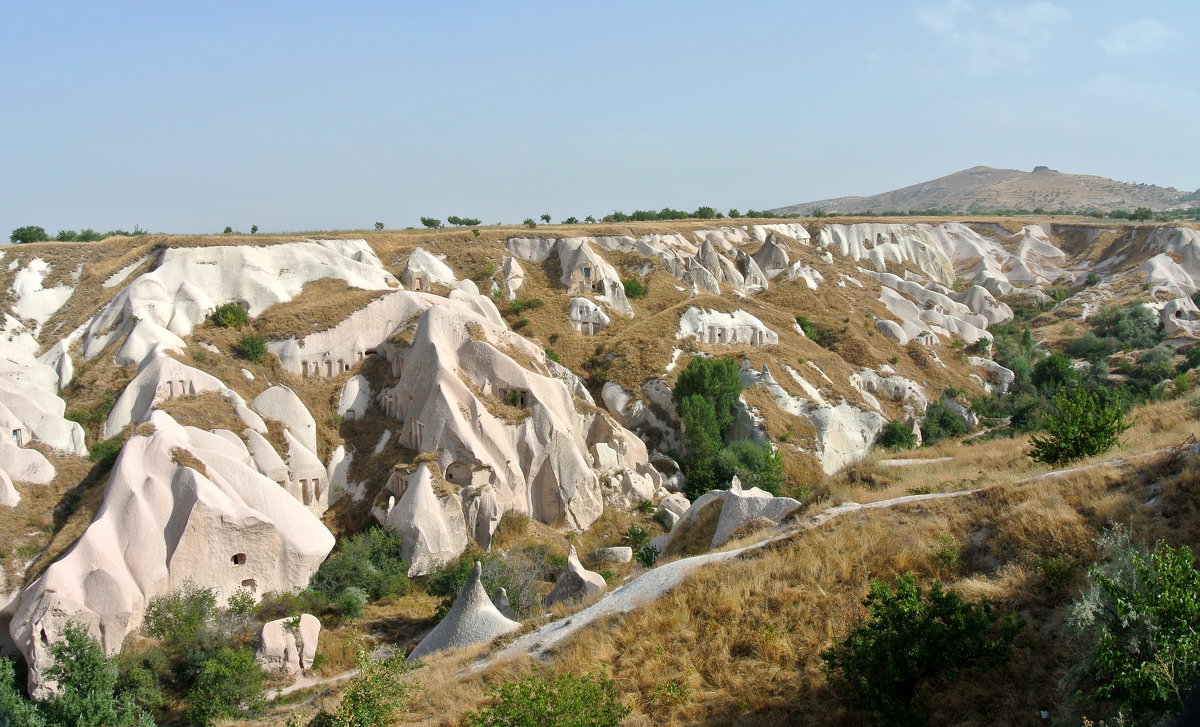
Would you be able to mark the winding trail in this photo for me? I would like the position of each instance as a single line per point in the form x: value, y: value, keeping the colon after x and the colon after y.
x: 655, y: 582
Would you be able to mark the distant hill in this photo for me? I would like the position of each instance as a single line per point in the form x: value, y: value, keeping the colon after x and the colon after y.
x: 982, y: 189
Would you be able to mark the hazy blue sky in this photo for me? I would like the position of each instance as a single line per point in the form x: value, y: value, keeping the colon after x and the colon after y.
x: 318, y: 115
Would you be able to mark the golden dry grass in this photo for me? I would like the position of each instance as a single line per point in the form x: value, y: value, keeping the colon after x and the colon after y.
x: 321, y: 305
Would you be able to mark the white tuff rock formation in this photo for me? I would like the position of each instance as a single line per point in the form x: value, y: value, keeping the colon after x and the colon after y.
x: 473, y: 619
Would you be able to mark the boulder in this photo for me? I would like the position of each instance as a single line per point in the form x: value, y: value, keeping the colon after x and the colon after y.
x: 718, y: 514
x: 25, y: 465
x: 576, y: 583
x: 618, y: 554
x: 503, y: 605
x: 424, y: 269
x: 289, y: 645
x: 473, y: 619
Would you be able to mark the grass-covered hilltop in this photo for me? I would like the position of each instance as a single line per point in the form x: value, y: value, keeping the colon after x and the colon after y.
x: 658, y: 469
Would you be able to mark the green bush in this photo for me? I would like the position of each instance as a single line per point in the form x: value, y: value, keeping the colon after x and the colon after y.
x: 552, y: 699
x: 431, y: 222
x: 375, y: 695
x: 518, y: 306
x: 105, y: 453
x: 87, y: 682
x: 897, y: 435
x: 1091, y: 347
x: 252, y: 347
x: 1137, y: 627
x: 553, y: 355
x: 229, y: 685
x: 229, y: 315
x: 1053, y: 373
x: 940, y: 423
x: 910, y: 638
x: 756, y: 465
x: 647, y: 556
x: 1082, y: 423
x: 633, y: 288
x: 370, y: 561
x: 1134, y: 327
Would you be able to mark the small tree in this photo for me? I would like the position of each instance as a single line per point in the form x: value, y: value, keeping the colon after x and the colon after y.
x: 374, y: 697
x: 552, y: 699
x: 87, y: 682
x: 29, y: 233
x: 756, y: 465
x: 1083, y: 423
x: 545, y: 219
x: 253, y: 229
x: 431, y: 222
x: 227, y: 231
x: 15, y: 710
x: 571, y: 221
x: 590, y: 220
x: 717, y: 380
x: 378, y: 226
x: 529, y: 222
x: 910, y: 639
x: 701, y: 442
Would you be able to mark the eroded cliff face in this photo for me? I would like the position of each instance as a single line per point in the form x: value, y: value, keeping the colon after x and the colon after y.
x: 393, y: 380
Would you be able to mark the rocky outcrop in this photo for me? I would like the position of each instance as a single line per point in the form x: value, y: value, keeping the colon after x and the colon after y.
x: 432, y: 529
x: 289, y: 644
x: 473, y: 619
x: 187, y: 283
x: 424, y: 269
x: 725, y: 329
x: 576, y: 583
x: 717, y: 515
x: 181, y: 505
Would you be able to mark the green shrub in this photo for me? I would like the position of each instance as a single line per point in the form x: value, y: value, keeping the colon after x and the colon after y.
x: 633, y: 288
x: 756, y: 465
x: 910, y: 638
x: 519, y: 306
x: 1135, y: 327
x: 1154, y: 365
x: 1137, y: 626
x: 229, y: 315
x: 1053, y: 373
x: 1091, y: 347
x: 252, y: 347
x: 375, y: 695
x: 552, y: 699
x: 105, y: 453
x: 229, y: 685
x: 940, y: 423
x: 1083, y: 423
x: 369, y: 560
x: 553, y: 355
x: 87, y: 682
x: 647, y: 556
x: 897, y: 435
